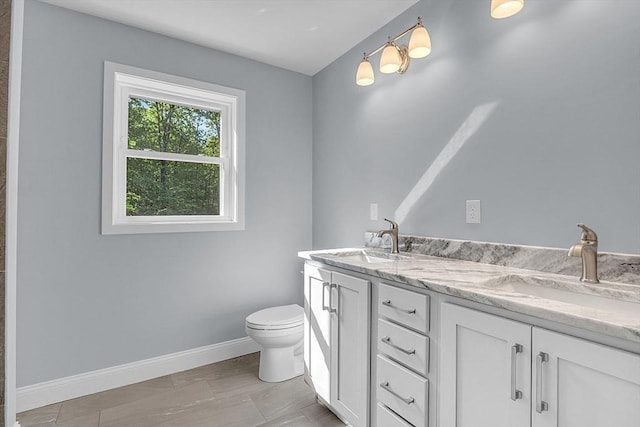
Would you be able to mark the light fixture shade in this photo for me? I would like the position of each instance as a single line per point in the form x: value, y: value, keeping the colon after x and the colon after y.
x: 390, y: 61
x: 419, y: 43
x: 364, y: 75
x: 505, y: 8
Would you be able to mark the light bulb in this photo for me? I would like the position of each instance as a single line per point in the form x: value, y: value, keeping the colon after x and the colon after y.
x: 390, y: 61
x: 364, y: 75
x: 420, y: 42
x: 505, y: 8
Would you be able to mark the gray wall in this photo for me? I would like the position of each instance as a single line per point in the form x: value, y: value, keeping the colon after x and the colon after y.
x: 560, y: 144
x: 87, y: 301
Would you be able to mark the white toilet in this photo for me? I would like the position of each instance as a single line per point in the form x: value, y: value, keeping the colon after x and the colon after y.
x: 279, y: 331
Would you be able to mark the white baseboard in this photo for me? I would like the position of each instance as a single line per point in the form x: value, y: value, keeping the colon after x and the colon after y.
x: 37, y: 395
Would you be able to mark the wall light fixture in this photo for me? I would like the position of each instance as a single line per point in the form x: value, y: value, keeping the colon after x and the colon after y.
x: 505, y: 8
x: 395, y: 58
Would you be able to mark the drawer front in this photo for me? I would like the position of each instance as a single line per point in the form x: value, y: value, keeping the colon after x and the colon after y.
x: 386, y: 418
x: 404, y: 346
x: 405, y: 307
x: 403, y: 391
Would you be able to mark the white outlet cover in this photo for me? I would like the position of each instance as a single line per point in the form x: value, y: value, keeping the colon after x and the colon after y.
x: 473, y: 211
x: 373, y: 212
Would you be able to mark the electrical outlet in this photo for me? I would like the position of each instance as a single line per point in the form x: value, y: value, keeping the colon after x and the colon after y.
x: 373, y: 212
x: 473, y: 211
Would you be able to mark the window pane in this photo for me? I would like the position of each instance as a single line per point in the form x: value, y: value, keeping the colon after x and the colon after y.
x: 162, y: 187
x: 169, y: 128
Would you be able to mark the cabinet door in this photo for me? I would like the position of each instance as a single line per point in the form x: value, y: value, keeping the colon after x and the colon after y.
x: 583, y: 384
x: 350, y: 348
x: 317, y: 350
x: 485, y: 377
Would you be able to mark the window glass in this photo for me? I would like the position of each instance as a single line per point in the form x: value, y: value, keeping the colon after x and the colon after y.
x: 162, y: 187
x: 169, y: 128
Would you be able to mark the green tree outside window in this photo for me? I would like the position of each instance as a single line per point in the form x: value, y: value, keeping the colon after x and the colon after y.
x: 168, y: 187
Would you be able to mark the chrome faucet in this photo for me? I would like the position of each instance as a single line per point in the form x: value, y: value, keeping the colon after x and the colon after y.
x: 588, y: 250
x: 393, y: 232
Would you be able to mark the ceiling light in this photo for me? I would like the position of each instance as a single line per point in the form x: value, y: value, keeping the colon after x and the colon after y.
x: 395, y: 58
x: 364, y: 75
x: 505, y: 8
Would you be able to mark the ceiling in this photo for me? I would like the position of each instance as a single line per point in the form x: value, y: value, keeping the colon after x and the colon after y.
x: 299, y: 35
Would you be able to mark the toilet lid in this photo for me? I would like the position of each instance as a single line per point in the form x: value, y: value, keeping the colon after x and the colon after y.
x: 284, y: 315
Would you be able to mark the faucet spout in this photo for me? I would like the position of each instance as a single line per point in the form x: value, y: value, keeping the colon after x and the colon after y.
x: 587, y: 249
x: 576, y: 250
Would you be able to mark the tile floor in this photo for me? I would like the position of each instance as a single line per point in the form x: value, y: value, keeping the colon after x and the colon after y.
x: 227, y: 393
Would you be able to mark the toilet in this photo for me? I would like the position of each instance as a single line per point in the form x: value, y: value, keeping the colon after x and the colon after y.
x: 279, y: 332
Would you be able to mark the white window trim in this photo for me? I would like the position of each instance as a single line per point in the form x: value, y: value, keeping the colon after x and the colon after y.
x: 121, y: 82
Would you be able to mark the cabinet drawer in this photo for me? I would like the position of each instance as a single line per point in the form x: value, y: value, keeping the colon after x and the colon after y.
x: 407, y: 347
x: 403, y: 391
x: 386, y: 418
x: 405, y: 307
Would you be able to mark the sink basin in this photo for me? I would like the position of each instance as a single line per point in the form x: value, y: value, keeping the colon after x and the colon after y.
x: 368, y: 256
x: 565, y: 292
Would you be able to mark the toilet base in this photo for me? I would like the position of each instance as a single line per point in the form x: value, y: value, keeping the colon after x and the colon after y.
x: 280, y: 364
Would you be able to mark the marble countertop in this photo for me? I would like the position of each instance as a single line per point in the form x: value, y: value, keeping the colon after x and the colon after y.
x: 609, y: 308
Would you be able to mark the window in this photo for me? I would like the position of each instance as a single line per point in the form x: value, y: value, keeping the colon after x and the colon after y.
x: 173, y: 154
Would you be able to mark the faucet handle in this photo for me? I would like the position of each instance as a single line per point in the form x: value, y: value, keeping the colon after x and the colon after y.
x: 587, y: 233
x: 394, y: 225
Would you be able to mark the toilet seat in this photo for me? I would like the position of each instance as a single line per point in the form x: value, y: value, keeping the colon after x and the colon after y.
x: 276, y: 318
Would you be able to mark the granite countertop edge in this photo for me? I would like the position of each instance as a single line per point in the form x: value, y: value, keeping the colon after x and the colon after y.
x: 464, y: 279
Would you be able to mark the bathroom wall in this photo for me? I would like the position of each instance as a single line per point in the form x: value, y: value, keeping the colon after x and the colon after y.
x: 5, y: 33
x: 88, y: 301
x: 537, y: 116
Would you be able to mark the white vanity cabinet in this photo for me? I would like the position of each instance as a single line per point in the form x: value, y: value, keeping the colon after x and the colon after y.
x: 336, y: 340
x: 485, y: 369
x: 499, y: 372
x: 582, y: 383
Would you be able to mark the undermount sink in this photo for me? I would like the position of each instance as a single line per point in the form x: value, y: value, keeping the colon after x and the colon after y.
x: 564, y: 292
x: 368, y: 256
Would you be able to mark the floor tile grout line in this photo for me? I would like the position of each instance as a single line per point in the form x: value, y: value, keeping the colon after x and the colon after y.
x: 58, y: 413
x: 258, y: 408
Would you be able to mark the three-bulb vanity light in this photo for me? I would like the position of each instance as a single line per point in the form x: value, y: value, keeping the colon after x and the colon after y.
x: 395, y: 58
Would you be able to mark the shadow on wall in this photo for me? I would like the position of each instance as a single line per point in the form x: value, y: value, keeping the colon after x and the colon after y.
x: 467, y: 129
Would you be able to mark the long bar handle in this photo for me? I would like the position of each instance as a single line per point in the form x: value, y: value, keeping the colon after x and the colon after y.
x: 331, y: 287
x: 324, y: 287
x: 406, y: 310
x: 408, y: 400
x: 541, y: 405
x: 387, y: 341
x: 515, y: 393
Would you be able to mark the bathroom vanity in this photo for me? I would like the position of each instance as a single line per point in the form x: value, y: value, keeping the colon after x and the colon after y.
x: 446, y: 342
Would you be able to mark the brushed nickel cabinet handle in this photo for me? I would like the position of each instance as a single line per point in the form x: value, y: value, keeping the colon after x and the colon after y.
x: 405, y: 310
x: 324, y: 287
x: 408, y: 400
x: 331, y: 287
x: 387, y: 341
x: 515, y: 393
x: 541, y: 405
